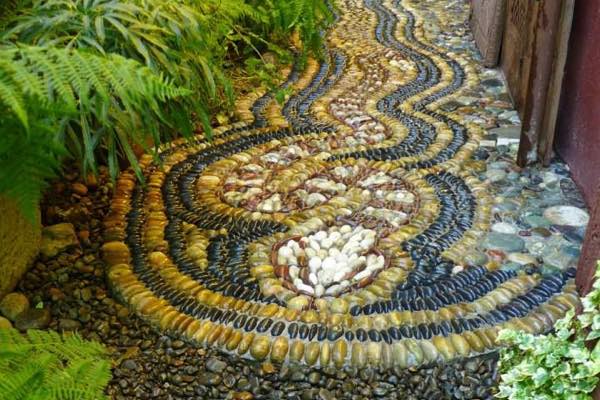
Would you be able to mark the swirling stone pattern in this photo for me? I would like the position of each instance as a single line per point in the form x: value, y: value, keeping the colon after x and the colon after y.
x: 236, y: 243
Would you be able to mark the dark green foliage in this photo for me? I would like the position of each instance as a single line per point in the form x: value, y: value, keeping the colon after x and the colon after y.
x: 181, y: 39
x: 45, y: 366
x: 54, y: 100
x: 72, y: 81
x: 8, y: 8
x: 186, y: 40
x: 27, y: 161
x: 307, y: 17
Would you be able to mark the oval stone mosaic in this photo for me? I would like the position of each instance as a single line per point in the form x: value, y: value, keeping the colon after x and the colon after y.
x: 341, y: 228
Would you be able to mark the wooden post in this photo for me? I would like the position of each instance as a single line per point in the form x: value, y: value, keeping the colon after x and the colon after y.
x: 543, y: 36
x: 590, y: 253
x: 516, y: 53
x: 538, y: 33
x: 487, y: 23
x: 547, y: 134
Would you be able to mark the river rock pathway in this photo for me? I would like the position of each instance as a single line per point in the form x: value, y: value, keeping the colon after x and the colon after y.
x: 366, y: 239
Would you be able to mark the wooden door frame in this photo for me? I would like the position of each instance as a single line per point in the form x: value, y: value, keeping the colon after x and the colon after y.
x: 519, y: 29
x: 550, y: 36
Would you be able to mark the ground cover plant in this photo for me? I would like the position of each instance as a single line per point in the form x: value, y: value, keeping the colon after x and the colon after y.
x: 561, y: 365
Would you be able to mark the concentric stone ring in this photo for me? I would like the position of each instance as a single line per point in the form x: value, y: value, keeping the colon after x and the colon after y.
x: 321, y: 266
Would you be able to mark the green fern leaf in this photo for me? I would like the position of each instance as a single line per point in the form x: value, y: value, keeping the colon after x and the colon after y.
x: 60, y: 99
x: 43, y: 365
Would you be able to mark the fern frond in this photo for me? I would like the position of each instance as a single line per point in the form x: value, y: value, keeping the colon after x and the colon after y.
x: 98, y: 76
x: 21, y: 380
x: 11, y: 8
x: 78, y: 380
x: 27, y: 160
x: 45, y: 366
x: 9, y: 95
x: 57, y: 97
x: 47, y: 64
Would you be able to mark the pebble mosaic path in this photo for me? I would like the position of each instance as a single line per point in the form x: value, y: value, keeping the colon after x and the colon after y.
x: 375, y: 219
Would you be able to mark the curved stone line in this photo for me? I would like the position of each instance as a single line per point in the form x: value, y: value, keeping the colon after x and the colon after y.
x: 548, y: 287
x: 296, y: 108
x: 258, y: 108
x: 240, y: 231
x: 465, y: 286
x: 421, y: 134
x: 302, y: 101
x: 204, y: 278
x: 455, y: 217
x: 427, y: 257
x: 202, y: 219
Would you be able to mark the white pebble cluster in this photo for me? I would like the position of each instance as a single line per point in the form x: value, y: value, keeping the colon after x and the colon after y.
x: 322, y: 264
x: 395, y: 218
x: 401, y: 196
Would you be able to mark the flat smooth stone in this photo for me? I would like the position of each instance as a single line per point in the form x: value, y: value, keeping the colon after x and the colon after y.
x: 537, y: 221
x: 475, y: 258
x: 503, y: 241
x: 511, y: 267
x: 567, y: 215
x: 503, y: 227
x: 521, y: 258
x: 550, y: 179
x: 512, y: 131
x: 495, y: 175
x: 559, y: 259
x: 499, y: 165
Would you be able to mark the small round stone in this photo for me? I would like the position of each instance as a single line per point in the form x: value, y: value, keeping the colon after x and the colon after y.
x: 14, y: 304
x: 298, y: 303
x: 504, y: 242
x: 216, y: 365
x: 460, y: 344
x: 311, y: 353
x: 33, y: 318
x: 279, y: 349
x: 339, y: 306
x: 297, y: 351
x: 5, y: 323
x: 503, y: 227
x: 495, y: 175
x: 260, y: 347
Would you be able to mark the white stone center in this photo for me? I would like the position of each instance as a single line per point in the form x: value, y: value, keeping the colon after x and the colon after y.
x: 327, y: 263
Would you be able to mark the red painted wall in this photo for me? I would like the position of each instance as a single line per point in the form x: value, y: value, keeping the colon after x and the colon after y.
x: 578, y: 125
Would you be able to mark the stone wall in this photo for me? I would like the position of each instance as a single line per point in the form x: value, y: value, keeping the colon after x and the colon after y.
x: 19, y: 244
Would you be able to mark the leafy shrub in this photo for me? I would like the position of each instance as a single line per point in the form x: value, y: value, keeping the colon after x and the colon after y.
x: 53, y: 100
x: 9, y: 8
x: 187, y: 40
x: 306, y: 17
x: 76, y: 108
x: 180, y: 39
x: 45, y: 366
x: 564, y: 365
